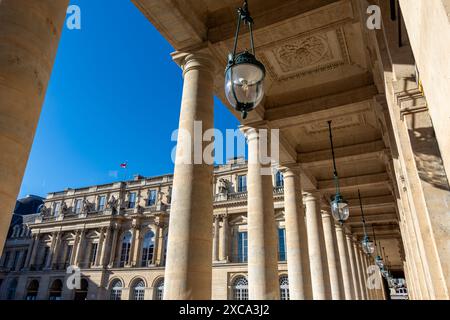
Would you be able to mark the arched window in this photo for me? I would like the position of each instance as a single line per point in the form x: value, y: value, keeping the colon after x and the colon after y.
x: 159, y: 289
x: 32, y: 290
x: 81, y: 294
x: 11, y: 294
x: 240, y: 288
x: 116, y: 290
x: 126, y: 245
x: 139, y: 290
x: 284, y: 287
x: 55, y: 290
x: 148, y: 249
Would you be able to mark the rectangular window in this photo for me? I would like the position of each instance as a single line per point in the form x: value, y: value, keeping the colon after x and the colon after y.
x: 282, y: 244
x: 101, y: 203
x: 56, y: 208
x: 132, y: 200
x: 242, y: 183
x: 242, y: 247
x: 93, y: 253
x: 151, y: 198
x: 78, y: 205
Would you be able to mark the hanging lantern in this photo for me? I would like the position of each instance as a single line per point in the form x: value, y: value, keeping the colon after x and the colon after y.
x: 244, y: 74
x: 339, y: 206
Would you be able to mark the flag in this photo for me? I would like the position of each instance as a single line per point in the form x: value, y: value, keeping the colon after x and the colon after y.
x: 124, y: 165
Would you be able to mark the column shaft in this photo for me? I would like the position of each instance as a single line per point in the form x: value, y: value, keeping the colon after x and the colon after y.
x: 332, y: 255
x: 262, y: 233
x: 356, y: 293
x: 345, y: 268
x: 29, y: 37
x: 314, y: 248
x: 224, y: 239
x: 188, y: 272
x: 295, y: 226
x: 216, y: 239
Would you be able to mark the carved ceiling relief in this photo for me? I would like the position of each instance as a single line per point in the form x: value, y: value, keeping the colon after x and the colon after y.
x: 304, y: 55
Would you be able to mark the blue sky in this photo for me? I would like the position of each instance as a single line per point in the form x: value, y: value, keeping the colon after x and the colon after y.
x: 114, y: 96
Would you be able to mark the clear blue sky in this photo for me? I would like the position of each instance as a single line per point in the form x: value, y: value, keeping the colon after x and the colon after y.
x: 114, y: 96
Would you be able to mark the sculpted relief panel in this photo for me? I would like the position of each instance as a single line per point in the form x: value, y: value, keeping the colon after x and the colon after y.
x: 303, y: 55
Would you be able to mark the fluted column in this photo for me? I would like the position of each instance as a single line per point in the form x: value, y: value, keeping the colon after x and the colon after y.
x: 216, y: 239
x: 48, y: 262
x: 314, y: 248
x: 29, y: 37
x: 262, y: 233
x: 106, y: 246
x: 295, y: 229
x: 356, y: 293
x: 188, y: 273
x: 56, y: 249
x: 223, y: 239
x: 332, y: 255
x: 343, y: 257
x: 79, y: 248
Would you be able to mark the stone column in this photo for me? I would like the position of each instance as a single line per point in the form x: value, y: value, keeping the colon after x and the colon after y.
x: 158, y: 253
x: 29, y: 36
x: 359, y: 269
x: 113, y: 245
x: 56, y: 249
x: 48, y: 263
x: 135, y: 245
x: 224, y: 239
x: 314, y: 249
x: 295, y: 228
x: 332, y: 255
x: 188, y: 273
x: 105, y: 247
x: 343, y: 257
x: 262, y: 232
x: 365, y: 267
x: 79, y: 248
x: 353, y: 268
x: 216, y: 239
x: 31, y: 257
x: 101, y: 240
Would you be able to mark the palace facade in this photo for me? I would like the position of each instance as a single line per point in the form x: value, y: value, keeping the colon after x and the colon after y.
x: 116, y: 234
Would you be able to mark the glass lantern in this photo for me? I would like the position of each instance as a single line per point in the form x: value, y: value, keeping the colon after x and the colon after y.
x: 339, y: 209
x: 379, y: 262
x: 367, y: 245
x: 244, y: 82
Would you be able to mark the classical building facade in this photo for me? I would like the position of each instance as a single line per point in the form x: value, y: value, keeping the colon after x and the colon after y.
x: 386, y: 90
x: 116, y: 234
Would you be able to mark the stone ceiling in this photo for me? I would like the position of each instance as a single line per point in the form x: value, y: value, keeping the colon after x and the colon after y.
x: 318, y: 69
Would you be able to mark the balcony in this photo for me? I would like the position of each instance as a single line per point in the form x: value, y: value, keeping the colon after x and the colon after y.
x: 236, y: 196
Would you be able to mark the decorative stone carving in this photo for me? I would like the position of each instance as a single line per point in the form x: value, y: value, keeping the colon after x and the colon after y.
x: 224, y: 186
x: 302, y: 53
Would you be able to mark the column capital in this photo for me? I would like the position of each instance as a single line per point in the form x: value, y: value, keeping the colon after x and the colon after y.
x: 194, y: 61
x: 251, y: 130
x: 325, y: 214
x: 311, y: 195
x: 290, y: 169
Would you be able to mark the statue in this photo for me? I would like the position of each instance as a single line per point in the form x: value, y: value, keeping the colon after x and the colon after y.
x: 43, y: 210
x: 64, y: 208
x: 86, y: 206
x: 112, y: 203
x: 169, y: 195
x: 224, y: 186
